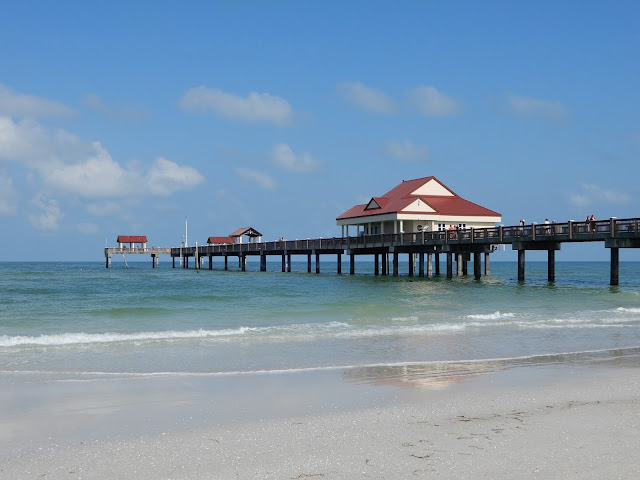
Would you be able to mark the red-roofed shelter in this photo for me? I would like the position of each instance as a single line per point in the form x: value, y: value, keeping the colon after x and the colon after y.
x: 251, y: 233
x: 416, y: 205
x: 132, y: 240
x: 221, y: 240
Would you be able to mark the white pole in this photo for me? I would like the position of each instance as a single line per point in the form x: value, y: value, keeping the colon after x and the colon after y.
x: 186, y: 242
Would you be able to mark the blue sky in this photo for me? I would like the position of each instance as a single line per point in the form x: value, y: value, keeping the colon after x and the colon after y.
x: 127, y: 117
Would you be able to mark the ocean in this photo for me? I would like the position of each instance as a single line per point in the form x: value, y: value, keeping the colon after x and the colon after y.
x: 72, y: 321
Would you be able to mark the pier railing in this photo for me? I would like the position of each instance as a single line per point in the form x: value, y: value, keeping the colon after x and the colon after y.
x: 572, y: 231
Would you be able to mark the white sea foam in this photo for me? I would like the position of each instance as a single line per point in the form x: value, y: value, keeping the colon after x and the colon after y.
x: 628, y: 310
x: 314, y: 331
x: 492, y: 316
x: 111, y: 337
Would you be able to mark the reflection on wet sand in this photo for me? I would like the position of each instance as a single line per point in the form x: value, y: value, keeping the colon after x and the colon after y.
x: 440, y: 375
x: 436, y: 376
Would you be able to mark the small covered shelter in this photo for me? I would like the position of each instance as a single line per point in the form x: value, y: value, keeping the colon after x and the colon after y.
x: 221, y: 240
x: 133, y: 241
x: 252, y: 235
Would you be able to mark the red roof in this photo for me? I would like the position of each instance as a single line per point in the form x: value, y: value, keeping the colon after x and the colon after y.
x: 400, y: 197
x: 221, y: 240
x: 132, y: 239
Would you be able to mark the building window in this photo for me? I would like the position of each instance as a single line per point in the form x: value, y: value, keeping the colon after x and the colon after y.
x: 442, y: 227
x: 462, y: 226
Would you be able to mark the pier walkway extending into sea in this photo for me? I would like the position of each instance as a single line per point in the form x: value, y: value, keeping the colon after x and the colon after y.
x: 457, y: 245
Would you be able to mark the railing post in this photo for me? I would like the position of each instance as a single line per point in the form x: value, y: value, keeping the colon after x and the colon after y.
x: 533, y: 231
x: 612, y: 227
x: 471, y: 234
x: 500, y: 234
x: 570, y: 229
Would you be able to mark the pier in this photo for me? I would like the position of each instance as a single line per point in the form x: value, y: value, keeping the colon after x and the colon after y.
x: 423, y: 248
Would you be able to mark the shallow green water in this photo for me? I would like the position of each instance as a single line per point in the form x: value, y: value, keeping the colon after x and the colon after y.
x: 79, y: 320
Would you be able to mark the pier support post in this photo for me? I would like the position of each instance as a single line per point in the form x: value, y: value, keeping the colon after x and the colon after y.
x: 263, y: 262
x: 226, y: 262
x: 317, y: 262
x: 486, y: 263
x: 376, y: 264
x: 186, y: 262
x: 521, y: 265
x: 385, y: 264
x: 308, y: 263
x: 437, y: 259
x: 459, y: 264
x: 352, y: 264
x: 477, y: 270
x: 173, y: 262
x: 288, y: 262
x: 465, y: 267
x: 429, y: 265
x: 615, y: 266
x: 410, y: 264
x: 421, y: 264
x: 284, y: 263
x: 551, y: 265
x: 339, y: 263
x: 210, y: 262
x: 243, y: 263
x: 449, y: 265
x: 395, y: 264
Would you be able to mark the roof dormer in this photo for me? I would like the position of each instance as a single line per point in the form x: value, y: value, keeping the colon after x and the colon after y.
x: 376, y: 203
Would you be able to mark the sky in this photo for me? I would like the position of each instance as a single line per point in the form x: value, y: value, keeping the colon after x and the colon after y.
x: 128, y: 117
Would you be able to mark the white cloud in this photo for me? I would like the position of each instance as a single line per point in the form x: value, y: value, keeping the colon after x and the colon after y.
x: 21, y: 105
x: 74, y: 166
x: 433, y: 103
x: 263, y: 180
x: 594, y: 195
x: 405, y: 151
x: 115, y: 110
x: 166, y: 177
x: 96, y: 176
x: 283, y: 157
x: 527, y: 106
x: 254, y: 107
x: 48, y: 213
x: 29, y: 143
x: 368, y: 98
x: 8, y: 196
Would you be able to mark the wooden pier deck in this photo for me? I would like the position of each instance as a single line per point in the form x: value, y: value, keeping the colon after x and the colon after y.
x: 155, y: 253
x: 456, y: 245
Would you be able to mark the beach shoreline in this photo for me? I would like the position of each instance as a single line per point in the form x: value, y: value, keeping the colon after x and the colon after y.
x: 544, y: 421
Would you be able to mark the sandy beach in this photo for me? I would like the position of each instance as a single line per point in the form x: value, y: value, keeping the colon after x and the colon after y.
x: 562, y: 421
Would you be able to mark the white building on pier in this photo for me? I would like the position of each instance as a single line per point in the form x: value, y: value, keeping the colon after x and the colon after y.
x: 413, y: 206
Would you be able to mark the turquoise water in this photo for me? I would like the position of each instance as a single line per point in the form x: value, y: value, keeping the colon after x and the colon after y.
x: 65, y: 321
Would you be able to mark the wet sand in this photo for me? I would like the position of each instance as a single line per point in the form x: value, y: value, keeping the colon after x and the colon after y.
x: 558, y: 421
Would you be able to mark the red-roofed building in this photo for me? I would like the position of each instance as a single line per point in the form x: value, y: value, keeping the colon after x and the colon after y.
x: 221, y: 240
x: 251, y: 233
x: 132, y: 240
x: 416, y: 205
